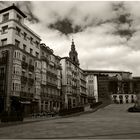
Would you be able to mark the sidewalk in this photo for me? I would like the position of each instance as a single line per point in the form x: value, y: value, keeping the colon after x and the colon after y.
x: 44, y: 118
x: 28, y: 120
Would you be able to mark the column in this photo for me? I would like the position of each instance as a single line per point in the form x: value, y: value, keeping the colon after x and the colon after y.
x: 95, y: 86
x: 39, y: 105
x: 66, y: 101
x: 131, y: 87
x: 49, y: 105
x: 8, y: 79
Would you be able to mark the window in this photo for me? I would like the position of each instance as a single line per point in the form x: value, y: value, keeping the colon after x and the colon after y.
x: 36, y: 44
x: 18, y: 31
x: 29, y: 89
x: 42, y: 53
x: 24, y: 58
x: 25, y: 36
x: 18, y: 18
x: 30, y: 75
x: 35, y: 64
x: 31, y: 40
x: 30, y: 61
x: 31, y: 51
x: 13, y: 86
x: 4, y: 53
x: 4, y: 41
x: 37, y: 54
x: 5, y: 29
x: 17, y: 43
x: 6, y: 17
x: 24, y: 47
x: 1, y: 71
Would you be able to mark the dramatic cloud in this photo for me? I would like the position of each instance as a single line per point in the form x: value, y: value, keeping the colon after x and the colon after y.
x: 106, y: 34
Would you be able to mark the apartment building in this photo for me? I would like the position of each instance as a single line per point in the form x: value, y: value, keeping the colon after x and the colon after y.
x: 51, y: 96
x: 23, y: 64
x: 73, y: 80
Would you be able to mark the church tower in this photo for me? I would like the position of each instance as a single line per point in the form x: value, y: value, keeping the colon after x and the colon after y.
x: 73, y: 55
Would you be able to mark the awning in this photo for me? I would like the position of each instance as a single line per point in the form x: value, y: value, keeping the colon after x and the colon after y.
x: 25, y: 102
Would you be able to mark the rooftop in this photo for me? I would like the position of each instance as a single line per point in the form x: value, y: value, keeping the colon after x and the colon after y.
x: 15, y: 8
x: 106, y: 71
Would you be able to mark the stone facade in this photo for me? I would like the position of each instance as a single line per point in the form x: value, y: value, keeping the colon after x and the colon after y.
x: 25, y: 74
x: 51, y: 97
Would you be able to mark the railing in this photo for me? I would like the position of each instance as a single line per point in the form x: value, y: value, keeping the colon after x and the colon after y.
x: 26, y: 95
x: 51, y: 84
x: 83, y: 94
x: 52, y: 74
x: 55, y: 97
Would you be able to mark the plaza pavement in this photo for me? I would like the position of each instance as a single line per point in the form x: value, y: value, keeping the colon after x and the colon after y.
x: 113, y: 121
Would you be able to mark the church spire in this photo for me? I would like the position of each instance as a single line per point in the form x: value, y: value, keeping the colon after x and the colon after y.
x: 73, y: 54
x: 72, y: 45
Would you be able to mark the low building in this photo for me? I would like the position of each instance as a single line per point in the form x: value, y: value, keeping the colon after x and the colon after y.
x: 115, y: 86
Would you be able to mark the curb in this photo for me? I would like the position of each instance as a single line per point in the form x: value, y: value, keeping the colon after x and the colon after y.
x: 26, y: 121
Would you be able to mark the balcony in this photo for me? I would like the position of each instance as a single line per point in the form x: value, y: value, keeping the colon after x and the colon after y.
x: 52, y: 74
x: 23, y: 79
x: 45, y: 59
x: 83, y: 94
x: 26, y: 95
x: 74, y: 87
x: 30, y: 81
x: 31, y: 68
x: 24, y: 65
x: 51, y: 84
x: 59, y: 67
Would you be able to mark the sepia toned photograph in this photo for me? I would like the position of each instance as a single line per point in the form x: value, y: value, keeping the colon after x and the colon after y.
x: 69, y: 69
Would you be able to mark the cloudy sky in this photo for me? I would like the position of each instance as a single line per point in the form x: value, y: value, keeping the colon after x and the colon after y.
x: 106, y: 34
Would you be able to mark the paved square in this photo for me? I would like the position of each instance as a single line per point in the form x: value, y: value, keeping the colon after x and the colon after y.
x: 112, y: 121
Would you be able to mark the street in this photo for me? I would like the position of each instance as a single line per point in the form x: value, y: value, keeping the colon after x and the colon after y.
x: 112, y: 121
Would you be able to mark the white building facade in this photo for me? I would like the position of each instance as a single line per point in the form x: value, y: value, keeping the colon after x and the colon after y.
x: 24, y: 47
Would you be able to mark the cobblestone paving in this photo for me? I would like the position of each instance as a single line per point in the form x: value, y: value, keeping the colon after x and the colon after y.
x: 112, y: 121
